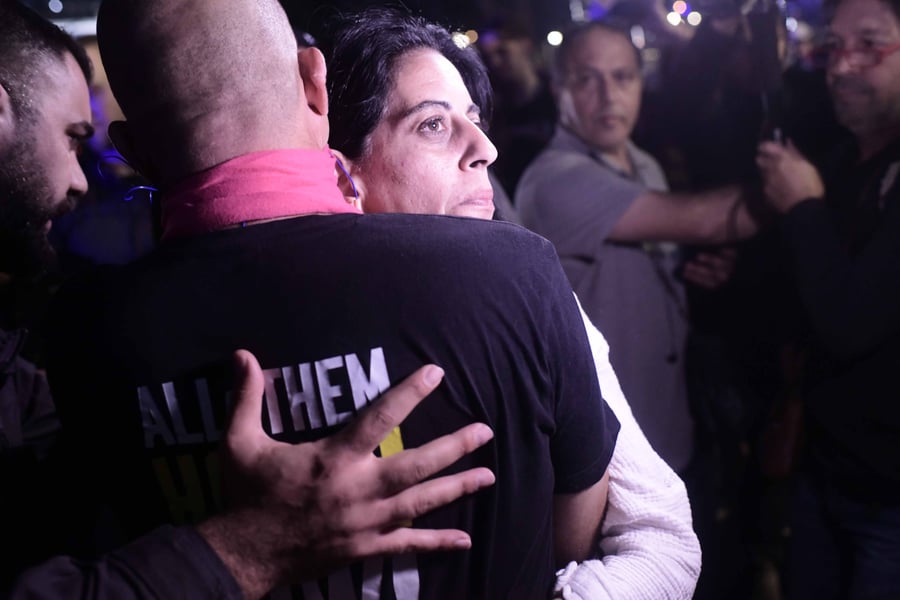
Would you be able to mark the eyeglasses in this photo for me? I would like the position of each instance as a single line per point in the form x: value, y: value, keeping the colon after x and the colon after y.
x: 584, y: 79
x: 858, y: 58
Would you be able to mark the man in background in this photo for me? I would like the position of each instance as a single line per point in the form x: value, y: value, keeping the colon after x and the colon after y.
x: 843, y: 242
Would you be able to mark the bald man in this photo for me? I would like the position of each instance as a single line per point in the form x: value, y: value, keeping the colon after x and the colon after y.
x: 44, y: 117
x: 260, y: 250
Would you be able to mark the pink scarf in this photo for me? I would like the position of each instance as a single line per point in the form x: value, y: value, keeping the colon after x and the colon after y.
x: 262, y: 185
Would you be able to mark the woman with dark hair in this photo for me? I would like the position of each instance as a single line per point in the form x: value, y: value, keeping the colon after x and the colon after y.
x: 408, y: 108
x: 375, y: 135
x: 364, y: 51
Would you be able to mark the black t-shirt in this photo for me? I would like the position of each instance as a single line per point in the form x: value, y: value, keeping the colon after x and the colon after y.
x: 337, y: 309
x: 846, y: 257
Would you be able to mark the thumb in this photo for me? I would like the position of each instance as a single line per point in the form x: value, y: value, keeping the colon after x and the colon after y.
x: 792, y: 148
x: 245, y: 432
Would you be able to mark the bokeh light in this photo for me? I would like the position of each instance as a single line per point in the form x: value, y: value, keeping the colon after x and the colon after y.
x: 460, y: 39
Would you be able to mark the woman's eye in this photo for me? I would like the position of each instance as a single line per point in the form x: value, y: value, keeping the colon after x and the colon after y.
x: 434, y: 125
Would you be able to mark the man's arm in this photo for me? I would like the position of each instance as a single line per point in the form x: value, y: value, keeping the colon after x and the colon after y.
x: 712, y: 217
x: 303, y: 510
x: 579, y: 205
x: 169, y: 562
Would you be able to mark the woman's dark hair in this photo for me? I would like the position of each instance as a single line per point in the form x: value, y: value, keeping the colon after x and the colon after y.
x: 362, y: 53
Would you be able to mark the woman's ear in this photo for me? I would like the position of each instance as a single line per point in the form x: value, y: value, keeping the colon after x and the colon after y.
x: 349, y: 179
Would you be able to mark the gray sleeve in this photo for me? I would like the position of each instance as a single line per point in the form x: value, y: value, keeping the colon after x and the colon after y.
x: 573, y: 201
x: 40, y: 423
x: 170, y: 562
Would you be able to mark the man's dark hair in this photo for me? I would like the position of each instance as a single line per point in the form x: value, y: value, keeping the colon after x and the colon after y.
x: 362, y: 53
x: 571, y: 37
x: 830, y: 6
x: 27, y: 43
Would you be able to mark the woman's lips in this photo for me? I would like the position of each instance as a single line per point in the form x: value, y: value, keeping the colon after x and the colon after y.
x: 482, y: 198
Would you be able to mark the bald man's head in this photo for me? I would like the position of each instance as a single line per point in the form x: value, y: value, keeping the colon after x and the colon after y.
x: 201, y: 81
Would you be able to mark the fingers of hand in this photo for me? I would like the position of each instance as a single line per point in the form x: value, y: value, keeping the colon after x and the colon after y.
x: 770, y: 150
x: 245, y: 433
x: 425, y: 497
x: 406, y: 540
x: 702, y: 276
x: 728, y: 253
x: 409, y: 467
x: 373, y: 425
x: 766, y: 165
x: 719, y: 262
x: 704, y: 258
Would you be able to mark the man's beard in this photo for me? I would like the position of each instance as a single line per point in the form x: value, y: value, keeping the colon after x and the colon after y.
x: 26, y: 205
x: 856, y: 106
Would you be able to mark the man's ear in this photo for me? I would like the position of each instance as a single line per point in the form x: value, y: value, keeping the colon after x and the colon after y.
x: 350, y: 180
x: 313, y: 74
x: 7, y: 118
x: 123, y: 141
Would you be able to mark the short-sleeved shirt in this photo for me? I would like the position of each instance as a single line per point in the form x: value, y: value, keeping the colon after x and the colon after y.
x: 571, y: 196
x: 337, y: 309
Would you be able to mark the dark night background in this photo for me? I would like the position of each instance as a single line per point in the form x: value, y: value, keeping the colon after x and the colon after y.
x: 309, y: 14
x: 535, y: 16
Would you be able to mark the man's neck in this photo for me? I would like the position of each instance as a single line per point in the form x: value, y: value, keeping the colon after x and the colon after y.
x: 619, y: 158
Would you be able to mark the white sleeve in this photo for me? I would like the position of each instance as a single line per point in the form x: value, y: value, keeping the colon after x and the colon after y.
x: 648, y: 544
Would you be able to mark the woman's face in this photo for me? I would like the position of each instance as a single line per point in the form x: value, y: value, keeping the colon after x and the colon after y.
x: 428, y: 155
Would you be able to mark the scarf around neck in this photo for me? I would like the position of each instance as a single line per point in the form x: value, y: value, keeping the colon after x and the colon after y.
x: 271, y: 184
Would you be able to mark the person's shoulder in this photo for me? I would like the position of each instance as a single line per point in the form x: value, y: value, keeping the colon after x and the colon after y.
x: 650, y: 171
x: 468, y: 250
x: 80, y: 303
x: 452, y: 237
x: 642, y: 157
x: 554, y: 168
x: 83, y: 287
x: 555, y: 159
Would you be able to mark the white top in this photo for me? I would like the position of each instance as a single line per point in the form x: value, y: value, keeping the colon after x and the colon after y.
x: 648, y: 544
